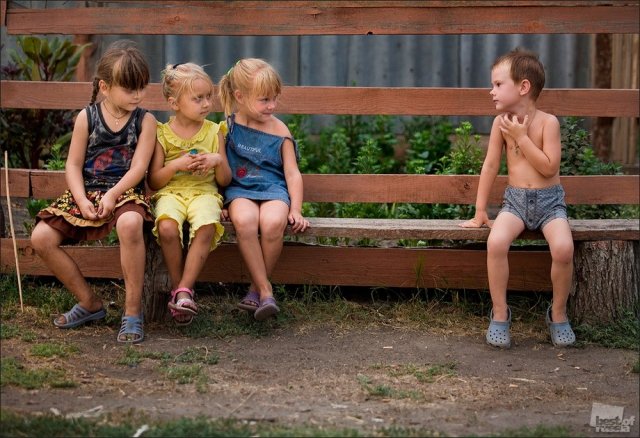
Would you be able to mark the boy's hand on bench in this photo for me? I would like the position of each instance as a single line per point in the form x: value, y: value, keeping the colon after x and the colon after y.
x: 476, y: 223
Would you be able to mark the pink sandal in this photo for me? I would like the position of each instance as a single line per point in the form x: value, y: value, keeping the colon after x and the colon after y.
x: 184, y: 309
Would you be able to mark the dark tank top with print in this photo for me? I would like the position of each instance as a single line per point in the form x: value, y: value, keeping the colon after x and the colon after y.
x: 109, y: 153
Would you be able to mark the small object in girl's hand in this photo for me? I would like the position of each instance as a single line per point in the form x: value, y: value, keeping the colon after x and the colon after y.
x: 193, y: 151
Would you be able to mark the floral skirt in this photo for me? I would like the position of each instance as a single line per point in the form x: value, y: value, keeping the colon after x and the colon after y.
x: 64, y: 214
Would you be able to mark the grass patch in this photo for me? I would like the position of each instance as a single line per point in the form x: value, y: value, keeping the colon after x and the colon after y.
x: 184, y: 368
x: 308, y: 307
x: 12, y: 372
x: 423, y: 374
x: 622, y: 333
x: 133, y: 356
x: 55, y: 426
x: 538, y: 431
x: 50, y: 349
x: 386, y: 391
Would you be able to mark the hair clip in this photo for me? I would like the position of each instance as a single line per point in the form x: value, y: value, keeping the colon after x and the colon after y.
x: 176, y: 66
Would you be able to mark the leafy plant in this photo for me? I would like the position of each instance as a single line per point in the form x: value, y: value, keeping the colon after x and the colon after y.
x: 466, y: 155
x: 428, y: 143
x: 578, y: 158
x: 28, y: 134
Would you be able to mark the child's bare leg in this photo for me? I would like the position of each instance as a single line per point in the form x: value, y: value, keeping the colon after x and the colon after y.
x: 132, y: 259
x: 46, y: 241
x: 504, y: 230
x: 170, y: 237
x: 273, y: 221
x: 558, y: 235
x: 196, y: 257
x: 245, y: 215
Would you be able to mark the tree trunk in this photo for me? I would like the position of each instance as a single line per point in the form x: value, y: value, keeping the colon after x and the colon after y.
x: 157, y: 285
x: 605, y: 280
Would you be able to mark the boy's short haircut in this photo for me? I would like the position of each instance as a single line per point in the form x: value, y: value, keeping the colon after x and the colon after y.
x: 524, y: 64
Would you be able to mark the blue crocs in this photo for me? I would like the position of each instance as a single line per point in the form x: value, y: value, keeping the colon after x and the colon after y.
x: 561, y: 333
x: 498, y: 333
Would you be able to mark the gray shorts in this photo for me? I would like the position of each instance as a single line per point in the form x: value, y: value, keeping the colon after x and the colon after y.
x: 535, y: 207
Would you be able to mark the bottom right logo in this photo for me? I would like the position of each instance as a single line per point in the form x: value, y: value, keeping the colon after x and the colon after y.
x: 608, y: 418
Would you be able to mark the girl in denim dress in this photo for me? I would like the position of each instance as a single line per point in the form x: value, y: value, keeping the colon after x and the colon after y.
x: 265, y: 193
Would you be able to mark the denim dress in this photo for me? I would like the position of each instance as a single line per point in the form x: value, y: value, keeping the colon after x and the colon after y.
x: 255, y: 158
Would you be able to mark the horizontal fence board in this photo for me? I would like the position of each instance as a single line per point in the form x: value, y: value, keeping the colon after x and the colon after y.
x: 585, y: 102
x: 306, y: 264
x: 18, y: 183
x: 316, y: 18
x: 435, y: 189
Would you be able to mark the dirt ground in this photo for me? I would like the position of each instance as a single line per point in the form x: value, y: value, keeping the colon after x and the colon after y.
x: 327, y: 377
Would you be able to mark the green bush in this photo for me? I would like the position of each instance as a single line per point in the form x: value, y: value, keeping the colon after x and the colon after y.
x: 28, y: 134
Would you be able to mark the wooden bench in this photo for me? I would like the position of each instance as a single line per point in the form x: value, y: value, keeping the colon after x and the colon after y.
x: 606, y: 275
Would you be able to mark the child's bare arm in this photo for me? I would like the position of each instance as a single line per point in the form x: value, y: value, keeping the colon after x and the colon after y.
x: 544, y: 158
x: 294, y: 184
x: 488, y: 175
x: 160, y: 173
x: 137, y: 170
x: 75, y: 165
x: 203, y: 163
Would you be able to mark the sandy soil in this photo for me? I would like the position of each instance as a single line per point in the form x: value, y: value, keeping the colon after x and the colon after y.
x: 326, y: 377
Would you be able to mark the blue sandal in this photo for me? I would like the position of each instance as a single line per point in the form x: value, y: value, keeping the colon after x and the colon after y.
x: 78, y: 315
x: 268, y: 307
x: 131, y: 330
x: 498, y: 333
x: 561, y: 333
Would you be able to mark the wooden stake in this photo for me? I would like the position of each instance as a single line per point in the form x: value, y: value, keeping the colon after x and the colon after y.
x: 13, y: 233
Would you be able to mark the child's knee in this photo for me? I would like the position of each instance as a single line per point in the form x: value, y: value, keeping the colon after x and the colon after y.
x: 41, y: 239
x: 562, y: 252
x: 129, y: 226
x: 497, y: 245
x: 272, y: 228
x: 168, y: 229
x: 205, y: 232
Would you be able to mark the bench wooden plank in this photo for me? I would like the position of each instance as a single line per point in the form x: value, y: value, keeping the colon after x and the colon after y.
x: 316, y: 18
x: 352, y: 100
x: 449, y: 229
x: 319, y: 265
x: 397, y: 188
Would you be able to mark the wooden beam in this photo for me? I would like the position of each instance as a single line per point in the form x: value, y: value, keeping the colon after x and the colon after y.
x: 317, y: 18
x: 400, y: 188
x: 352, y: 100
x: 317, y: 265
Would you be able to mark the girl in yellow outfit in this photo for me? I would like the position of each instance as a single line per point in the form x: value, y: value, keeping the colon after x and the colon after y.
x: 187, y: 167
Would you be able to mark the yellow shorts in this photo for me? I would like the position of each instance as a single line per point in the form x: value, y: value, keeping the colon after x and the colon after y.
x: 197, y: 210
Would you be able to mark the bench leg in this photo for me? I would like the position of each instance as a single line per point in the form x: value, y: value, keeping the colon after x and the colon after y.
x: 157, y: 284
x: 605, y: 280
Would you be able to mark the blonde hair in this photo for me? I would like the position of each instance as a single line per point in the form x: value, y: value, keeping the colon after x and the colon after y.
x: 252, y: 77
x: 123, y: 65
x: 178, y: 78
